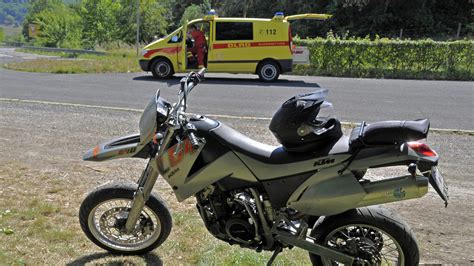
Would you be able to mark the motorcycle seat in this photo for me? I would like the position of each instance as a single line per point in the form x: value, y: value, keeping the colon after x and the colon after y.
x: 269, y: 154
x: 389, y: 133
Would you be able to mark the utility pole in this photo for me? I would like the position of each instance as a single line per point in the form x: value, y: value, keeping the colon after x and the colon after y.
x: 245, y: 8
x: 458, y: 33
x: 138, y: 25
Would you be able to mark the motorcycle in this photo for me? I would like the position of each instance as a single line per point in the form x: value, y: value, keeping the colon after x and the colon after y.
x: 308, y: 193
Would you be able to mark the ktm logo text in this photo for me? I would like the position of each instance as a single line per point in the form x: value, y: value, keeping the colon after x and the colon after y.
x: 323, y: 162
x: 173, y: 157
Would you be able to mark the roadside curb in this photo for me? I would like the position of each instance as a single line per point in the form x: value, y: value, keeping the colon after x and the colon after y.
x: 345, y: 124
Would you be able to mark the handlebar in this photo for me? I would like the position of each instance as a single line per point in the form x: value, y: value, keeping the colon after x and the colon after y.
x: 194, y: 140
x: 192, y: 79
x: 201, y: 73
x: 189, y: 130
x: 177, y: 117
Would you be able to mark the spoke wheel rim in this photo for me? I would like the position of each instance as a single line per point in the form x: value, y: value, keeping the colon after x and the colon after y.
x: 390, y: 253
x: 103, y: 220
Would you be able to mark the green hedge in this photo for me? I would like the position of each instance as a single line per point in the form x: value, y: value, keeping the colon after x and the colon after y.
x: 389, y: 58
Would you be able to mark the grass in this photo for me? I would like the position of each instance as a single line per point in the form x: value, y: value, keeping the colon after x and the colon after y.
x: 115, y: 61
x: 44, y: 227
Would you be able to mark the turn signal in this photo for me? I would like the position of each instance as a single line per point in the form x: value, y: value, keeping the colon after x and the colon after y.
x: 422, y: 148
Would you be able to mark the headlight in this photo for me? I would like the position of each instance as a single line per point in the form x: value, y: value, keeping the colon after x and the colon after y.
x: 143, y: 53
x: 162, y: 110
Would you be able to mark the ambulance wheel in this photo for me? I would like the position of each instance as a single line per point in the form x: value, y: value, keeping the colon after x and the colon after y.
x: 162, y: 69
x: 268, y: 71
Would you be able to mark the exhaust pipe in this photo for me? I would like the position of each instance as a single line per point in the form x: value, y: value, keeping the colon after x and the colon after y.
x: 394, y: 189
x: 342, y: 193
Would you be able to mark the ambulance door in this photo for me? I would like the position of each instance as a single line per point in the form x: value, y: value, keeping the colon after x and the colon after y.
x: 300, y: 53
x: 230, y: 49
x: 212, y: 54
x: 182, y: 49
x: 308, y: 16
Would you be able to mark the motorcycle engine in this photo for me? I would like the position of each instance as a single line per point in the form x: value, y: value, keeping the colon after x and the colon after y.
x: 230, y: 216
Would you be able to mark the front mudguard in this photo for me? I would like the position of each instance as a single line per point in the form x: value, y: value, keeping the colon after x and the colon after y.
x: 123, y: 147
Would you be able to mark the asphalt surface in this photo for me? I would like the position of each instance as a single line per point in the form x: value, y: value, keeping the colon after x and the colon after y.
x: 10, y: 55
x: 449, y: 104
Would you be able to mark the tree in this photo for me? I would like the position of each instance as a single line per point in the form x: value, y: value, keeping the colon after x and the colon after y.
x: 195, y: 11
x: 60, y: 27
x: 152, y: 20
x: 34, y: 9
x: 100, y: 25
x: 9, y: 20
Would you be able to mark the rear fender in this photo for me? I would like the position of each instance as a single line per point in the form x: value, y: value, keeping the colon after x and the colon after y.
x: 123, y: 147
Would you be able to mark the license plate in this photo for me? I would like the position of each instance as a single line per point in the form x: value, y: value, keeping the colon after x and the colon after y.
x: 437, y: 182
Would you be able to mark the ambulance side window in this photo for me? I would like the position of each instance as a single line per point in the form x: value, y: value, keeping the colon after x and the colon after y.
x: 176, y: 38
x: 226, y: 31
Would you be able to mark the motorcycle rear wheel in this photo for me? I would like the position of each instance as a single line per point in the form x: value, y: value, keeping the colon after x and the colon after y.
x: 103, y: 215
x: 374, y: 234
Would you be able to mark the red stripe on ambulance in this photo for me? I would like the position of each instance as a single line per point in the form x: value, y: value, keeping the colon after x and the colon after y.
x: 168, y: 50
x: 248, y: 44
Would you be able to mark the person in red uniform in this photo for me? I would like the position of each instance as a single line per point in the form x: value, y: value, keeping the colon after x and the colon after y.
x: 199, y: 48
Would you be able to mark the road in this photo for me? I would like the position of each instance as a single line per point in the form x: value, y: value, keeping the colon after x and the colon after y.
x: 10, y: 55
x: 449, y: 104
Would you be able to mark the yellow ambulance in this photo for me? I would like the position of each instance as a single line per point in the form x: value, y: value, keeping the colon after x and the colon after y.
x: 233, y: 45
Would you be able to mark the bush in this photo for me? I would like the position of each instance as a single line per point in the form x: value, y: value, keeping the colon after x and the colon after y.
x: 60, y: 27
x: 389, y: 58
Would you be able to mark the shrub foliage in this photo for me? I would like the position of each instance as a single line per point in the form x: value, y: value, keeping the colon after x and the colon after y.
x: 389, y: 58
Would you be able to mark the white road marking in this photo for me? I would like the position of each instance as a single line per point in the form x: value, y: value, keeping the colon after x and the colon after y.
x: 349, y: 124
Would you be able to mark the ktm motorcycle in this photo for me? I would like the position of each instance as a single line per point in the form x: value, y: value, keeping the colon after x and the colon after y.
x: 309, y: 192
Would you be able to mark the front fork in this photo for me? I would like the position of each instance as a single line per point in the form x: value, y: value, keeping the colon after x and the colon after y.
x: 145, y: 185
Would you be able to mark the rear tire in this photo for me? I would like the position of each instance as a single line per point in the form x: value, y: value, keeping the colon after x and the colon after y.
x: 268, y: 71
x: 380, y: 223
x: 162, y: 68
x: 103, y: 222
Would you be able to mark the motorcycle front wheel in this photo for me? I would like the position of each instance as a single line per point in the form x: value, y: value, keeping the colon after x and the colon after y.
x: 104, y: 212
x: 373, y: 235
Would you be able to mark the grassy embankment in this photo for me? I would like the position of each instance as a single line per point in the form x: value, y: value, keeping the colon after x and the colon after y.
x: 114, y: 61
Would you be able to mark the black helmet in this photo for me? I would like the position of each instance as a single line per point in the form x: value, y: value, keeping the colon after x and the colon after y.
x: 298, y: 128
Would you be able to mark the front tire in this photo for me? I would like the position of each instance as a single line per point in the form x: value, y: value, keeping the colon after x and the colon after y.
x: 103, y: 214
x: 268, y: 71
x: 374, y: 234
x: 162, y: 68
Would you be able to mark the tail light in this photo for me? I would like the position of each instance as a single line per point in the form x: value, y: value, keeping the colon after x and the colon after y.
x: 422, y: 148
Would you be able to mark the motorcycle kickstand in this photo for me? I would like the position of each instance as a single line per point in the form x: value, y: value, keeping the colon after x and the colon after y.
x: 277, y: 251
